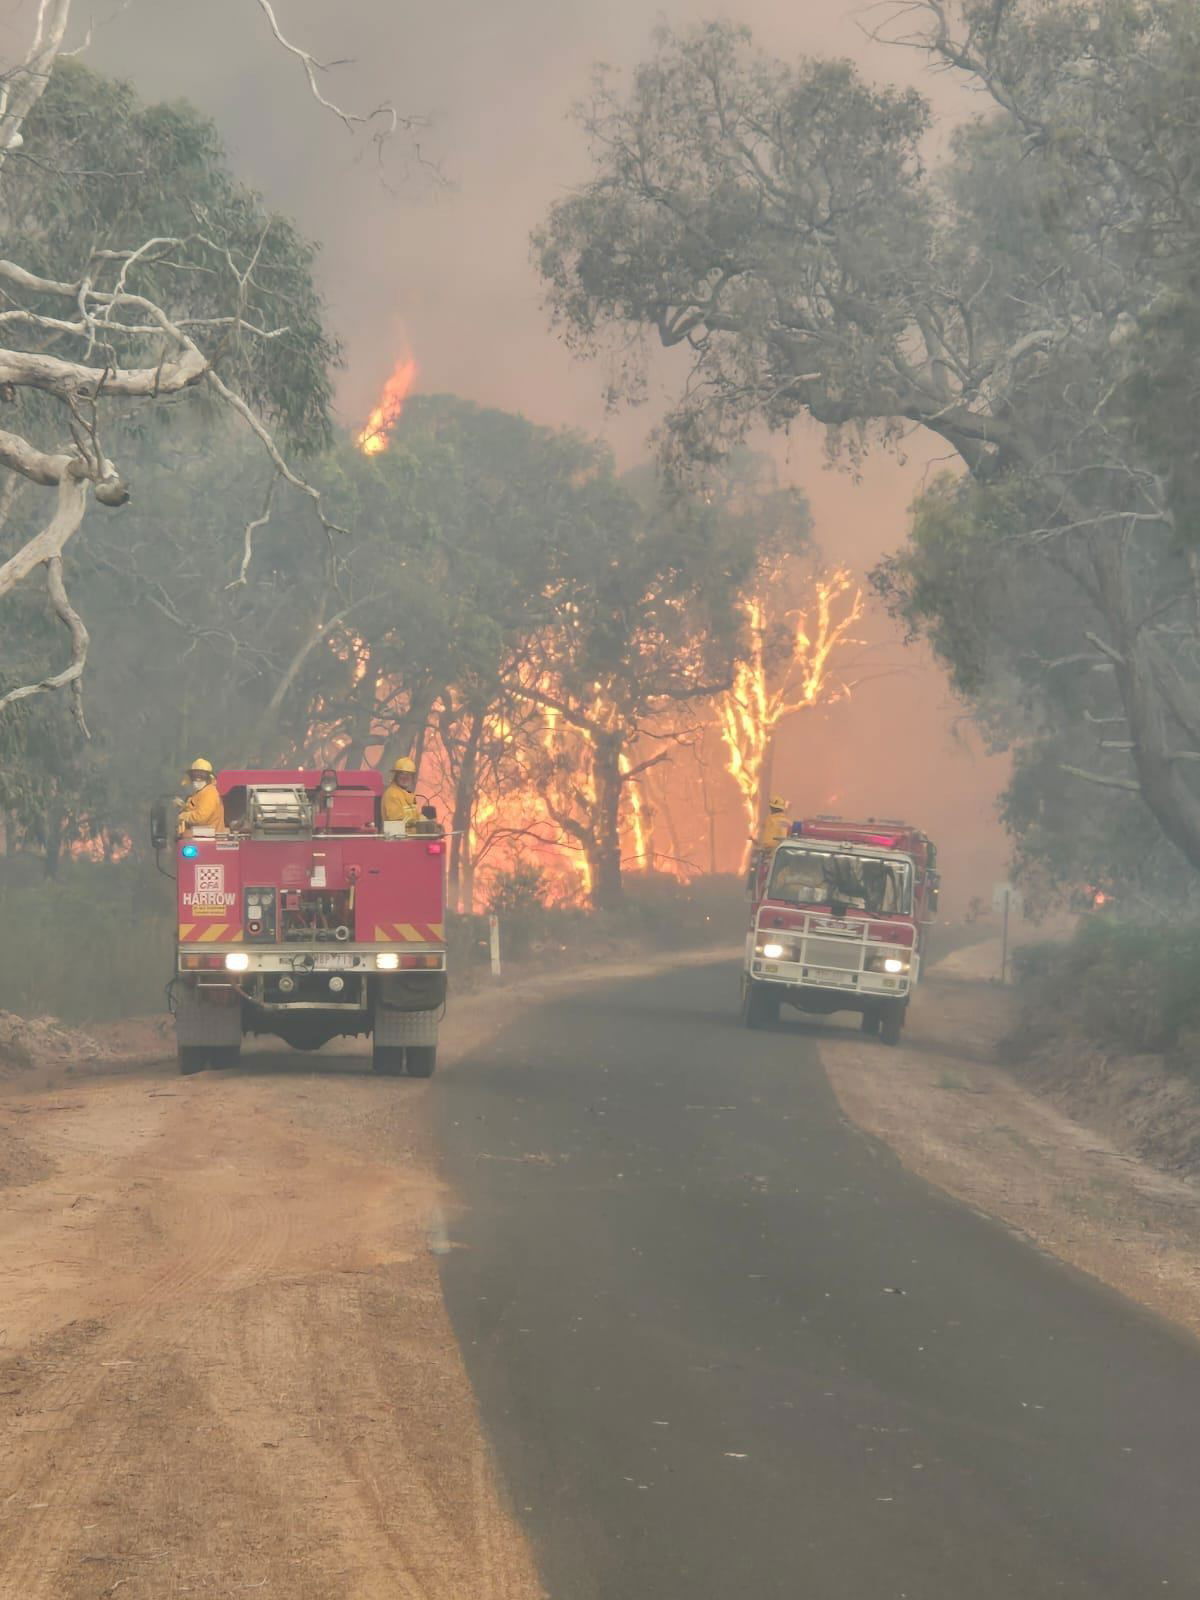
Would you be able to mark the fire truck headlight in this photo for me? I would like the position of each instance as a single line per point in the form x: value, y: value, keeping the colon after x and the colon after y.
x: 236, y: 961
x: 773, y: 952
x: 893, y: 964
x: 387, y: 961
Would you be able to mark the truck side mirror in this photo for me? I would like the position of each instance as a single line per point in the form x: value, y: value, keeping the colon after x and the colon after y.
x: 160, y: 823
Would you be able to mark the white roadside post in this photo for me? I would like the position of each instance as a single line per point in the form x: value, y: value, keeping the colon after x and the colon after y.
x: 1006, y: 900
x: 494, y: 941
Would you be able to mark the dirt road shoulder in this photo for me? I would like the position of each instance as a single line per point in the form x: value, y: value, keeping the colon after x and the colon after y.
x: 955, y: 1118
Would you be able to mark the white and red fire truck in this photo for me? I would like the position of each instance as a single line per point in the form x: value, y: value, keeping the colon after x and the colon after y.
x: 839, y: 921
x: 308, y: 917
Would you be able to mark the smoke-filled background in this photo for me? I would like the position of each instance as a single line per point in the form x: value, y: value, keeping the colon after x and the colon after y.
x: 425, y: 249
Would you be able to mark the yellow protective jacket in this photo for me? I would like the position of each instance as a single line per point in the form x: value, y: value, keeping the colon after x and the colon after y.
x: 203, y: 810
x: 399, y: 805
x: 775, y: 828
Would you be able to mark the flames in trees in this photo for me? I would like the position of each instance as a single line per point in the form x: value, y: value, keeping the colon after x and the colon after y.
x: 376, y: 434
x: 533, y: 791
x: 787, y: 667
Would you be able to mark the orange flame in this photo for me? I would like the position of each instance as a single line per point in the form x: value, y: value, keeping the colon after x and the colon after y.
x: 375, y: 436
x: 764, y: 692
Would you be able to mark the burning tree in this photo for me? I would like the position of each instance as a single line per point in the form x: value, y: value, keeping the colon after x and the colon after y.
x: 375, y: 433
x: 797, y: 622
x: 644, y: 626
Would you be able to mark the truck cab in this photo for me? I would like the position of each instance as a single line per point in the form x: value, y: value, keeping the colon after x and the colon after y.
x: 838, y: 923
x: 309, y: 918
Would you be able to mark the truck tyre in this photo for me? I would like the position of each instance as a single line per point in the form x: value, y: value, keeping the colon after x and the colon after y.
x: 388, y: 1060
x: 192, y: 1058
x: 760, y: 1004
x: 420, y: 1060
x: 893, y: 1024
x: 871, y: 1021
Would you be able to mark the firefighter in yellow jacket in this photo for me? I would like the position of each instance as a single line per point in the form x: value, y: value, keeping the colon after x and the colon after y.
x: 399, y: 799
x: 777, y: 826
x: 202, y: 808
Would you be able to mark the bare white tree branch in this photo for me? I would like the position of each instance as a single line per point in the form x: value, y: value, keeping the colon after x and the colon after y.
x: 1101, y: 779
x: 251, y: 529
x: 263, y: 434
x: 25, y: 84
x: 387, y: 114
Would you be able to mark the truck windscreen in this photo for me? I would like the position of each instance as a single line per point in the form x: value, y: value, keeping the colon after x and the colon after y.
x: 861, y: 883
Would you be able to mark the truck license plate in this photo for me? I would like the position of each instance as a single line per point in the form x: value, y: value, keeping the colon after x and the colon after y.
x: 831, y: 977
x: 324, y: 963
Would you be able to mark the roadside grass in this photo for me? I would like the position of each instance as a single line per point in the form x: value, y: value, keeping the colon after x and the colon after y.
x: 1132, y: 989
x: 94, y: 944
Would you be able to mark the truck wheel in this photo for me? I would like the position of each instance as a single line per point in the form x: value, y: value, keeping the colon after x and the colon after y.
x: 893, y: 1024
x: 871, y: 1021
x: 760, y: 1005
x: 387, y: 1060
x: 192, y: 1058
x: 420, y: 1060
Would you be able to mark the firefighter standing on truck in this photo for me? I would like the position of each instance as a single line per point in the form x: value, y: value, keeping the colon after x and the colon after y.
x: 777, y: 826
x: 399, y: 799
x: 202, y: 808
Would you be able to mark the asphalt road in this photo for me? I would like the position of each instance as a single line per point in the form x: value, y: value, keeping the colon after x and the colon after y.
x: 726, y: 1349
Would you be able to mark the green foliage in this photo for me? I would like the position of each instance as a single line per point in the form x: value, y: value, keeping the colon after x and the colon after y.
x: 951, y: 583
x: 98, y: 945
x: 1129, y: 987
x: 99, y: 170
x: 518, y: 892
x: 518, y: 897
x: 731, y: 193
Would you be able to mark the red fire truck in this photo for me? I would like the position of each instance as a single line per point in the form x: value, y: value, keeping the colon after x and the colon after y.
x: 308, y: 918
x: 839, y: 922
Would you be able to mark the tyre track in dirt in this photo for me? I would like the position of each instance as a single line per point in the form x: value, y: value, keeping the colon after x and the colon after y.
x: 227, y: 1365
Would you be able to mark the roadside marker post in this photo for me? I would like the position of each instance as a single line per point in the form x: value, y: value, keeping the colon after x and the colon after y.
x: 1005, y: 899
x: 494, y: 943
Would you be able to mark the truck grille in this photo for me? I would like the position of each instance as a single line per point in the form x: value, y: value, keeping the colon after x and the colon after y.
x: 843, y: 953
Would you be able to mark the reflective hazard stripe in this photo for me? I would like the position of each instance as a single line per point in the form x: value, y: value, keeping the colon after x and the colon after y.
x: 210, y: 933
x: 409, y: 933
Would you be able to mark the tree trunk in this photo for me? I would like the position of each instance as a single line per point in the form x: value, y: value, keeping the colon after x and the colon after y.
x: 464, y: 803
x: 53, y: 836
x: 664, y: 810
x: 468, y: 883
x: 604, y: 852
x: 1161, y: 778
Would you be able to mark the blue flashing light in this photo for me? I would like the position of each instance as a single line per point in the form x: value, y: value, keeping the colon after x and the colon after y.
x: 189, y: 852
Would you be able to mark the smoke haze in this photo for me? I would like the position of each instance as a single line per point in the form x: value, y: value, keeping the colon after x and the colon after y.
x: 443, y: 269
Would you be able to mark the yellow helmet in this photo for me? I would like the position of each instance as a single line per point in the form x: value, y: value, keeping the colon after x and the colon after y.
x: 200, y: 765
x: 778, y: 804
x: 405, y: 764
